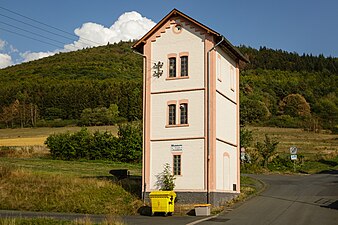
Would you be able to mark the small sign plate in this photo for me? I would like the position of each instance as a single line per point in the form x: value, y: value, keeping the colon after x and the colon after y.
x: 293, y: 150
x: 293, y: 157
x: 176, y: 147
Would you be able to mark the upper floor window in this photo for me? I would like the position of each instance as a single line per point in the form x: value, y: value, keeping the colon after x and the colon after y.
x: 232, y: 78
x: 219, y: 68
x: 184, y: 113
x: 178, y: 67
x: 172, y: 67
x: 172, y: 114
x: 184, y: 66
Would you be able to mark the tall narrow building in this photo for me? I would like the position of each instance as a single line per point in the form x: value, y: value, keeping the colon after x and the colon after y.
x: 191, y: 109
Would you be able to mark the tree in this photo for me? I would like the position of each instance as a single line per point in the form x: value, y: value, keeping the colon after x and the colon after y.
x: 130, y: 139
x: 267, y: 149
x: 245, y: 137
x: 328, y: 111
x: 100, y: 116
x: 253, y: 110
x: 10, y: 113
x: 295, y: 105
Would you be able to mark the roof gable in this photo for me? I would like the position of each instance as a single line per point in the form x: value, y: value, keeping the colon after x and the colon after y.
x: 138, y: 46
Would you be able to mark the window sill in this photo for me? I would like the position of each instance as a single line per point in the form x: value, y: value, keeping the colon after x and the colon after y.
x: 177, y: 125
x: 177, y: 78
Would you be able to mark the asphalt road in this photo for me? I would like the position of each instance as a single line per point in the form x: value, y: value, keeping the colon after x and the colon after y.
x: 288, y: 199
x: 306, y: 199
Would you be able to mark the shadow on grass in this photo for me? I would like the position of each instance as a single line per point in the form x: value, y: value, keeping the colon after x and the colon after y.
x: 328, y: 172
x: 328, y: 162
x: 131, y: 184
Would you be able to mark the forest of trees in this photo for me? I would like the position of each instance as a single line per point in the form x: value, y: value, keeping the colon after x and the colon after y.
x: 287, y: 90
x: 277, y: 88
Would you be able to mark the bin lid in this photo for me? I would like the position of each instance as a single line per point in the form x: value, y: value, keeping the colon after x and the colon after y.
x: 162, y: 193
x: 202, y: 205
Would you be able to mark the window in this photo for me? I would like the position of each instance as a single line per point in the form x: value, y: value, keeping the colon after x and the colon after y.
x: 232, y: 78
x: 177, y: 113
x: 219, y: 68
x: 178, y: 67
x: 177, y: 165
x: 172, y: 114
x: 172, y: 67
x: 184, y: 66
x: 184, y: 113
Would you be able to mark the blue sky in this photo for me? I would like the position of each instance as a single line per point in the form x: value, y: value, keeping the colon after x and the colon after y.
x: 302, y: 26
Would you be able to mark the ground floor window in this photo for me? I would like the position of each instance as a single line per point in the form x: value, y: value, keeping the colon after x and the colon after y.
x: 177, y: 165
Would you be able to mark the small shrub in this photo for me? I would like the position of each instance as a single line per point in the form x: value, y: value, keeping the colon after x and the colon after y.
x: 281, y: 163
x: 166, y: 179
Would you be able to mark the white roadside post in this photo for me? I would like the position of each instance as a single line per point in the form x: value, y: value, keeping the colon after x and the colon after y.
x: 293, y: 152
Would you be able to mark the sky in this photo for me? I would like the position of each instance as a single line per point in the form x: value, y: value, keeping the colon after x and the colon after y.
x: 33, y: 29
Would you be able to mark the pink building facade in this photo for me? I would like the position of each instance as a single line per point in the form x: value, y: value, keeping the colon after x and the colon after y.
x: 191, y: 109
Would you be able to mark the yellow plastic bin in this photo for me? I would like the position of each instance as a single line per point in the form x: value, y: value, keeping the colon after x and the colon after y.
x: 162, y: 202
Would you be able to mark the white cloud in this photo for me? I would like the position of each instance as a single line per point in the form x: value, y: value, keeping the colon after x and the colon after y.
x: 5, y: 60
x: 129, y: 26
x: 30, y: 56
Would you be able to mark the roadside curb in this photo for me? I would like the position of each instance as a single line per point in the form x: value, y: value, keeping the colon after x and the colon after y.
x: 261, y: 187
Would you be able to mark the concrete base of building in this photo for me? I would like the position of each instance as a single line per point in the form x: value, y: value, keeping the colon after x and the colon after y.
x: 215, y: 198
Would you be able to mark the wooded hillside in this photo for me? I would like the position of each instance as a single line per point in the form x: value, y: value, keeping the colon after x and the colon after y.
x: 278, y: 88
x: 284, y: 89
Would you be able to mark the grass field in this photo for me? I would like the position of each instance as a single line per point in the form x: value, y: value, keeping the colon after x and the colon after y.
x: 30, y: 182
x: 37, y: 136
x: 50, y: 221
x: 308, y: 143
x: 70, y: 168
x: 22, y: 189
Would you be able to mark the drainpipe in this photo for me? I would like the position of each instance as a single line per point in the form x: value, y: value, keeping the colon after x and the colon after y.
x: 208, y: 117
x: 144, y: 122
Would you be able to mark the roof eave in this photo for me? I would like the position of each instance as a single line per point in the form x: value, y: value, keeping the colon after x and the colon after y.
x: 139, y: 44
x: 234, y: 50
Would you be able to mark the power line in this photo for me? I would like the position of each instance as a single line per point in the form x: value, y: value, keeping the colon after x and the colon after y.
x: 36, y: 27
x: 51, y: 39
x: 39, y: 28
x: 22, y: 35
x: 55, y: 28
